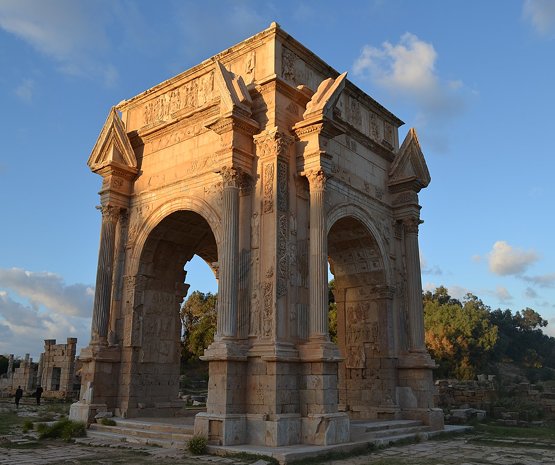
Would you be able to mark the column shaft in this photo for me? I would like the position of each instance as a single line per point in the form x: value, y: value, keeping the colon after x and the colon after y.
x: 229, y: 256
x: 103, y: 291
x: 318, y: 265
x: 414, y: 286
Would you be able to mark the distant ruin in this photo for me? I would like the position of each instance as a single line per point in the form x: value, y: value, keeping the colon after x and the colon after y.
x: 56, y: 372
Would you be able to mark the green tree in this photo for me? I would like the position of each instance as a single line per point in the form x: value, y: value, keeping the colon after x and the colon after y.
x: 198, y: 317
x: 458, y: 335
x: 332, y: 312
x: 3, y: 364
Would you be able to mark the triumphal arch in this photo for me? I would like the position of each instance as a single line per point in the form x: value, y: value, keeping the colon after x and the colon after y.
x: 270, y: 166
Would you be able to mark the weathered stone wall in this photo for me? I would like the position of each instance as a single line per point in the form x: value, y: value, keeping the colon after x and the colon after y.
x: 57, y: 369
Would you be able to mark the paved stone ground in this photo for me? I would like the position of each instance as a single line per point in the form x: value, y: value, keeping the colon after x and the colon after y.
x: 458, y: 451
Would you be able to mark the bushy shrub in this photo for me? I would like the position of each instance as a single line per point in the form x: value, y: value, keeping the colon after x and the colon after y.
x: 197, y: 445
x: 27, y: 426
x: 64, y: 429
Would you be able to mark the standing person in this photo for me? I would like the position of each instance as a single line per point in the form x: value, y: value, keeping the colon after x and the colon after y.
x: 38, y: 394
x: 18, y: 395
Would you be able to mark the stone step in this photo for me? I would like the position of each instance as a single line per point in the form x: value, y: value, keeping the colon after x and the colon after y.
x: 155, y: 425
x: 106, y: 437
x: 411, y: 430
x: 142, y: 433
x: 386, y: 440
x: 370, y: 425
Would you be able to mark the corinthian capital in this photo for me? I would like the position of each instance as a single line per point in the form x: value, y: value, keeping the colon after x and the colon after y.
x: 411, y: 224
x: 317, y: 180
x: 110, y: 213
x: 231, y: 177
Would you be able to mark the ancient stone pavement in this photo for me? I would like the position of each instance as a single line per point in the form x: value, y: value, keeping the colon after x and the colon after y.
x: 457, y: 451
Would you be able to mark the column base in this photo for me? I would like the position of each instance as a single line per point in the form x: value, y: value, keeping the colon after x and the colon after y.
x: 274, y: 430
x: 81, y: 411
x: 319, y: 351
x: 326, y: 429
x: 223, y: 430
x: 432, y: 417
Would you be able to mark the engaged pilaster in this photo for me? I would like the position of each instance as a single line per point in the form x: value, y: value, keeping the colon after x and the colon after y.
x: 318, y: 265
x: 414, y: 285
x: 104, y: 273
x: 229, y: 257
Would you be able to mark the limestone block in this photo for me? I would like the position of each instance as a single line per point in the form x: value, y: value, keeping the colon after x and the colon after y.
x: 326, y: 429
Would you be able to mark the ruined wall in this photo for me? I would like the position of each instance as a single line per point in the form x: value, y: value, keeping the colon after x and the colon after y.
x: 57, y: 368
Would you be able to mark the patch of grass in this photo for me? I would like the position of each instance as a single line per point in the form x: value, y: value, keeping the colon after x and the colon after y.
x: 63, y: 429
x: 504, y: 432
x: 197, y: 445
x: 28, y: 425
x: 107, y: 422
x: 9, y: 421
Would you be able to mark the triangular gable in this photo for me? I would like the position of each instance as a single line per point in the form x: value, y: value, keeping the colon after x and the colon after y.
x: 325, y: 97
x: 233, y: 91
x: 409, y: 169
x: 113, y: 147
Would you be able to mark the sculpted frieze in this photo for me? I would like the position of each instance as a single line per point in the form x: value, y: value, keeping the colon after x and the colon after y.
x: 191, y: 95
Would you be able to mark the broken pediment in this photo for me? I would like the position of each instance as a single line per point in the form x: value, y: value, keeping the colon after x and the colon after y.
x: 233, y: 91
x: 113, y: 148
x: 325, y: 97
x: 409, y: 170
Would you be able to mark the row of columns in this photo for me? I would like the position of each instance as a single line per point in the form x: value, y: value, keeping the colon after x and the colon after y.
x: 229, y: 260
x: 111, y: 215
x: 318, y: 268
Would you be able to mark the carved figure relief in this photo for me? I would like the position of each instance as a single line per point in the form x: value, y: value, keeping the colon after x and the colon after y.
x: 282, y: 186
x: 267, y: 321
x: 188, y: 96
x: 282, y: 256
x: 268, y: 199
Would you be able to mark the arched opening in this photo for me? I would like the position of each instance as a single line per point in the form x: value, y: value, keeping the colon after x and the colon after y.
x: 367, y: 375
x: 170, y: 246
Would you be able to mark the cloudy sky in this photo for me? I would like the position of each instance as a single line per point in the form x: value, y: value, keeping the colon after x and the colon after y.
x: 475, y: 78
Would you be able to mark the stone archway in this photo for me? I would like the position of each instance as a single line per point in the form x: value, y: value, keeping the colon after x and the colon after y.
x: 365, y: 333
x: 153, y: 381
x: 246, y: 160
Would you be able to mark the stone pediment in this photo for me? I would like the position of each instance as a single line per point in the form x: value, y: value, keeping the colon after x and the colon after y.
x: 113, y: 148
x: 409, y: 170
x: 233, y: 91
x: 324, y: 99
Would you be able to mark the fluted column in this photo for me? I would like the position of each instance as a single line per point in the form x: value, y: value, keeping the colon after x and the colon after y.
x: 414, y: 285
x: 103, y: 292
x: 229, y: 256
x: 318, y: 265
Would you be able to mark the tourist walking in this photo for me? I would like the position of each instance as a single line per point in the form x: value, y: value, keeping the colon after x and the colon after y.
x: 18, y: 395
x: 38, y: 394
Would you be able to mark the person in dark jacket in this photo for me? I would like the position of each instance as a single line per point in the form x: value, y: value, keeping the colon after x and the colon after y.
x: 38, y: 394
x: 18, y: 395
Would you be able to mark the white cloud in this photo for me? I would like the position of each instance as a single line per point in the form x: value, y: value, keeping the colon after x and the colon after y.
x: 70, y: 32
x: 550, y: 328
x: 541, y: 14
x: 505, y: 259
x: 49, y: 290
x: 407, y: 66
x: 23, y: 327
x: 503, y: 295
x: 530, y: 293
x: 408, y: 70
x: 545, y: 280
x: 458, y: 292
x: 425, y: 269
x: 25, y: 90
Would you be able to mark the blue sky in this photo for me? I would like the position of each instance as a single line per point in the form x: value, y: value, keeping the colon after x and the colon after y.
x: 475, y: 78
